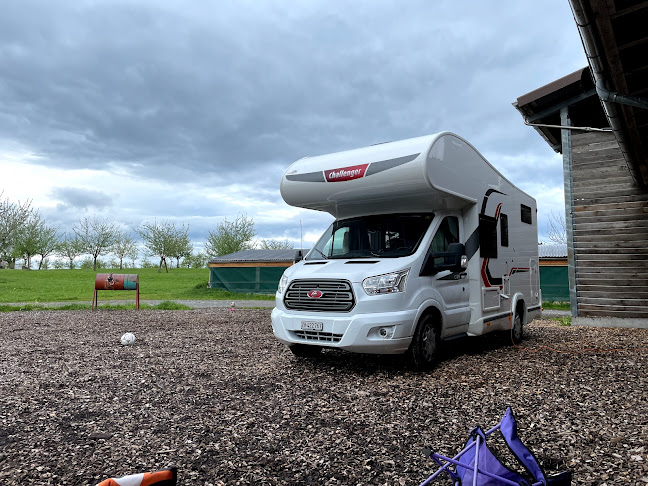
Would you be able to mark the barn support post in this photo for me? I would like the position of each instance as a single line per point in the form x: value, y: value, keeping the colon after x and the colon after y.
x: 566, y: 137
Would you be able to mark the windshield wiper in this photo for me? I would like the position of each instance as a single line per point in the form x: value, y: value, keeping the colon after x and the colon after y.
x: 325, y: 257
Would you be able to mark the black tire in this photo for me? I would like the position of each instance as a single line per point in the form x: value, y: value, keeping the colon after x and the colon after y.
x: 517, y: 331
x: 424, y: 350
x: 305, y: 350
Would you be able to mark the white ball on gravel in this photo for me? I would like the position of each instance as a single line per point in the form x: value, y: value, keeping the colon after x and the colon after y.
x: 128, y: 339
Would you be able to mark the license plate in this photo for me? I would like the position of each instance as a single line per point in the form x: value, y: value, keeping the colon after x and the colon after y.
x: 312, y: 325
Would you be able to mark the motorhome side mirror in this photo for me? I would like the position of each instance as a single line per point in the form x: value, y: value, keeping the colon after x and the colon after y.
x: 458, y: 259
x: 298, y: 256
x: 453, y: 260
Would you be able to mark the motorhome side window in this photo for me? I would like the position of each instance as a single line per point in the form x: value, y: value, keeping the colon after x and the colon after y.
x: 526, y: 214
x: 504, y: 229
x: 447, y: 233
x: 487, y: 236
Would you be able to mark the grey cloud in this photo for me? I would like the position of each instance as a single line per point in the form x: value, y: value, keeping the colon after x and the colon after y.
x: 224, y: 93
x: 248, y: 85
x: 76, y: 198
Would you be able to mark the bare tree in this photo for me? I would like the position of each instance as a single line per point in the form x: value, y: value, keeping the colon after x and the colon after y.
x: 164, y: 240
x: 13, y: 216
x: 96, y: 236
x: 231, y: 236
x: 69, y: 247
x: 275, y: 245
x: 125, y: 247
x: 557, y: 228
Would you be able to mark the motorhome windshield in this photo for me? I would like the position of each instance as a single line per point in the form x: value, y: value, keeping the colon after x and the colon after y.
x: 383, y: 236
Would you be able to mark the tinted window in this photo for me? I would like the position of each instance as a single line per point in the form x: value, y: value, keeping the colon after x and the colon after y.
x: 447, y: 233
x: 487, y: 236
x: 526, y: 214
x: 504, y: 229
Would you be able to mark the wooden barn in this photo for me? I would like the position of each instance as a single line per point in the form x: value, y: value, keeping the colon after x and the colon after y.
x: 597, y: 118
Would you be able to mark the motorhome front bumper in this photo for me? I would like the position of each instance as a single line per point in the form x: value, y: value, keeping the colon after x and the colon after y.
x: 384, y: 333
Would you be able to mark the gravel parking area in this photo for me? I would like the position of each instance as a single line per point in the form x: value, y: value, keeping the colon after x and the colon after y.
x: 194, y: 304
x: 212, y: 392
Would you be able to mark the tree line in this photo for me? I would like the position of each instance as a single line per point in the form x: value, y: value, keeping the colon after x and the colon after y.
x: 24, y: 234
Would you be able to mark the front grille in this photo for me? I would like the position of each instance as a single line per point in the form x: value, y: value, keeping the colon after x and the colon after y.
x: 327, y: 337
x: 337, y: 296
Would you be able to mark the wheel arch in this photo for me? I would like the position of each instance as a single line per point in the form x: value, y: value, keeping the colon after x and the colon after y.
x: 520, y: 306
x: 422, y: 353
x: 431, y: 308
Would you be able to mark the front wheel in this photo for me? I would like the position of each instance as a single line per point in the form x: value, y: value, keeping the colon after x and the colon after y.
x: 305, y: 350
x: 423, y: 351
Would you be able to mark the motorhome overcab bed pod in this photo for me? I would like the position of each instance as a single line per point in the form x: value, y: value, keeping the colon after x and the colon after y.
x: 429, y: 242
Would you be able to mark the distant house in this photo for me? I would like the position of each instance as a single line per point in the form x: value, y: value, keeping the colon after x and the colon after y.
x: 254, y: 271
x: 554, y: 277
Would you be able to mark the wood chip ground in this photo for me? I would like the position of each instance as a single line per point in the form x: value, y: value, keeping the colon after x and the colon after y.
x: 213, y: 393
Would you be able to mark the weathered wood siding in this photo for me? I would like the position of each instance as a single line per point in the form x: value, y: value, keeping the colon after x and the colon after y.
x: 610, y: 230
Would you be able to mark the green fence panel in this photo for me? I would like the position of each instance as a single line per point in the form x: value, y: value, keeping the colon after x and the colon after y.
x: 214, y: 279
x: 270, y: 277
x: 554, y: 282
x: 246, y: 279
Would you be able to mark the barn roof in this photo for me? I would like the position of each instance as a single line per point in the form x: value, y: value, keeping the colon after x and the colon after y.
x: 251, y: 256
x: 612, y: 91
x: 552, y: 251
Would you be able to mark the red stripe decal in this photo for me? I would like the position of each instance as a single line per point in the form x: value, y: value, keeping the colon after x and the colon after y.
x: 483, y: 273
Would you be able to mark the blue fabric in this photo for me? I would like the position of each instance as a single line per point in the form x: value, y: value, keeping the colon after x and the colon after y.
x: 486, y: 462
x: 509, y: 431
x: 489, y: 463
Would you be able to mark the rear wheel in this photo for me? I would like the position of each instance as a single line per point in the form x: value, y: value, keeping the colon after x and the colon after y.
x: 305, y: 350
x: 424, y: 349
x: 517, y: 332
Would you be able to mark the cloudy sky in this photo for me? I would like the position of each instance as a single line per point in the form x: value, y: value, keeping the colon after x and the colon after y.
x: 191, y: 111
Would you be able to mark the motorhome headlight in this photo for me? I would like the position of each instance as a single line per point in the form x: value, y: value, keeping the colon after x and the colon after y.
x: 387, y: 283
x: 283, y: 283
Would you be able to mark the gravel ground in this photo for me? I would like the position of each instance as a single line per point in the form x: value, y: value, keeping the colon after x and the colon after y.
x: 194, y: 304
x: 213, y: 393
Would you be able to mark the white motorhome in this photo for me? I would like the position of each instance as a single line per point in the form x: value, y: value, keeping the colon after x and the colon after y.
x: 430, y: 242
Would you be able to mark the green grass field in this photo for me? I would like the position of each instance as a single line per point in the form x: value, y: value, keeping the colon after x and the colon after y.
x: 556, y: 305
x: 35, y: 286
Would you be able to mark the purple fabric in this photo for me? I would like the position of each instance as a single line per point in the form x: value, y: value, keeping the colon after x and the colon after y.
x: 509, y: 431
x: 489, y: 465
x: 486, y: 462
